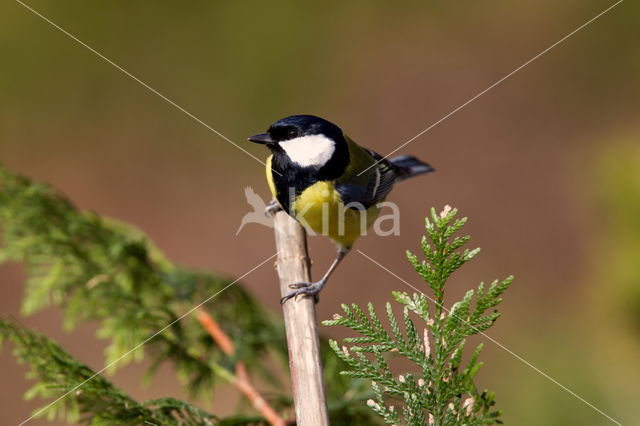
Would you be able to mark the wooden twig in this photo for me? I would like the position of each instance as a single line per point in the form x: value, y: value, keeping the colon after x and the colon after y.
x: 241, y: 379
x: 305, y: 363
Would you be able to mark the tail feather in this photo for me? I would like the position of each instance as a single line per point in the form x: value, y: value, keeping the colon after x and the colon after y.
x: 407, y: 166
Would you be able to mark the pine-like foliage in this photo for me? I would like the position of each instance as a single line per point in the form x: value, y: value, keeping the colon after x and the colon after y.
x: 441, y: 390
x: 97, y: 402
x: 107, y: 272
x: 103, y: 270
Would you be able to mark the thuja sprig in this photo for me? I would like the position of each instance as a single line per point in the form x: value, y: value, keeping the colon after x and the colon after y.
x: 441, y: 389
x: 100, y: 269
x: 59, y: 373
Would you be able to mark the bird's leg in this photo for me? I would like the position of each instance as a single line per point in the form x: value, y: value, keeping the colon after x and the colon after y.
x: 272, y: 208
x: 312, y: 289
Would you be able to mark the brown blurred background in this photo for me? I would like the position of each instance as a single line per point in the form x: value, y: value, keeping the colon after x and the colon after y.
x: 546, y: 165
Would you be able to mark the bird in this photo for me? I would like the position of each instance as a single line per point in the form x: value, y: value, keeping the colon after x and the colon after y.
x: 328, y: 183
x: 257, y: 215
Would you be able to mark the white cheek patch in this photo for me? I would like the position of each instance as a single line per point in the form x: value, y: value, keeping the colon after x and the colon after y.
x: 307, y: 151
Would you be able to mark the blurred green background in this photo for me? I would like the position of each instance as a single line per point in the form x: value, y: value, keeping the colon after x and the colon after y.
x: 546, y: 165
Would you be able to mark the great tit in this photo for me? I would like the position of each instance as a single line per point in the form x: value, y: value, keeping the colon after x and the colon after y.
x: 315, y: 173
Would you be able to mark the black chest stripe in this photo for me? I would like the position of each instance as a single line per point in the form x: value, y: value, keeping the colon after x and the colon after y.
x: 291, y: 179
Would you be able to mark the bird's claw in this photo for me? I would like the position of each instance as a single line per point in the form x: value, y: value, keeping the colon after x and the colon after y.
x: 300, y: 285
x: 272, y: 208
x: 302, y: 289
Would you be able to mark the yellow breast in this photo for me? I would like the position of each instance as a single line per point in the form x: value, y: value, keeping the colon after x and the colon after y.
x: 320, y: 208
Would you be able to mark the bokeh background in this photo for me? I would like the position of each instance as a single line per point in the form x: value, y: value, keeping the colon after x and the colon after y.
x: 546, y: 165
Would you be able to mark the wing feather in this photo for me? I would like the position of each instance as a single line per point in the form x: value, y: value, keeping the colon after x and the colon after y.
x: 378, y: 182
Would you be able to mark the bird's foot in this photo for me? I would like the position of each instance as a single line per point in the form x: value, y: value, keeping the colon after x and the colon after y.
x: 272, y: 208
x: 304, y: 289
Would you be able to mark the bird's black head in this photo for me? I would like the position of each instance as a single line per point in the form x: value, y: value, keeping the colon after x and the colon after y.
x: 307, y: 141
x: 296, y: 126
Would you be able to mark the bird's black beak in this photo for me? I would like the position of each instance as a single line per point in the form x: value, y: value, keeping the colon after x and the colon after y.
x: 263, y: 138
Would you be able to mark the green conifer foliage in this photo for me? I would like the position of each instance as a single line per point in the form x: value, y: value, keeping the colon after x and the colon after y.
x: 98, y: 401
x: 431, y: 337
x: 100, y: 270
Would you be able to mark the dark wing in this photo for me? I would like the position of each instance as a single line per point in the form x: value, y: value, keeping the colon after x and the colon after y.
x: 380, y: 187
x: 380, y: 180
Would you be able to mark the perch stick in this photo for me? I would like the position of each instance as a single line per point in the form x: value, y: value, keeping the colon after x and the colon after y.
x: 305, y: 363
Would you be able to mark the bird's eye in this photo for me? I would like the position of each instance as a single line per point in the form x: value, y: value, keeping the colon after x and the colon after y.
x: 292, y: 133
